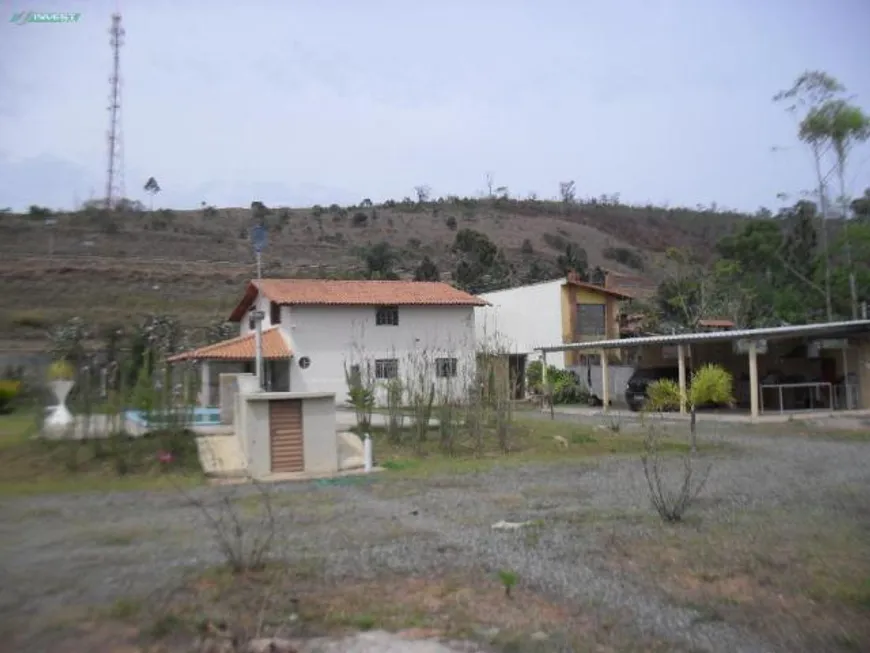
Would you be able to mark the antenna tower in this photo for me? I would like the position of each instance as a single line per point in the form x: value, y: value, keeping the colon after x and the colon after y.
x: 115, y: 164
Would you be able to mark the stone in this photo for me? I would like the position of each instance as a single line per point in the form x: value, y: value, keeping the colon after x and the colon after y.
x: 509, y: 525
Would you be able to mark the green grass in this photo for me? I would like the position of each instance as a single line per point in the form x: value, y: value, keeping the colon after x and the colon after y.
x: 33, y: 466
x: 17, y: 428
x: 530, y: 441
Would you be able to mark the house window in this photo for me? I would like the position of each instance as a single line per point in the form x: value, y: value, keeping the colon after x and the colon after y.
x: 445, y: 368
x: 387, y: 368
x: 387, y: 316
x: 251, y: 324
x: 274, y: 313
x: 590, y: 320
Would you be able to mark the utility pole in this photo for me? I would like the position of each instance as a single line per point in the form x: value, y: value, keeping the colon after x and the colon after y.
x: 258, y: 317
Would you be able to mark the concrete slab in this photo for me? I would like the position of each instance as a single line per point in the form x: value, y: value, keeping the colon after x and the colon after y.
x: 311, y: 476
x: 221, y: 455
x: 704, y: 416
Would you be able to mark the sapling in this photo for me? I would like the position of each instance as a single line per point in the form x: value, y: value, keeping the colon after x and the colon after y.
x: 508, y: 580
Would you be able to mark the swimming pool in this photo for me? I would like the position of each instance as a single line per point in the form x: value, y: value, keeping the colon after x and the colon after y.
x: 201, y: 417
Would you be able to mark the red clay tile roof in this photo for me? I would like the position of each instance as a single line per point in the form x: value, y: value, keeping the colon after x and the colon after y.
x: 242, y: 348
x: 329, y: 292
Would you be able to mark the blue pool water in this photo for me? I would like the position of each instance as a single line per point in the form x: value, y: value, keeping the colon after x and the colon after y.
x: 201, y: 417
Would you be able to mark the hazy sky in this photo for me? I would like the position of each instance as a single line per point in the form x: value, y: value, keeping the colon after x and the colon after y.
x: 297, y: 102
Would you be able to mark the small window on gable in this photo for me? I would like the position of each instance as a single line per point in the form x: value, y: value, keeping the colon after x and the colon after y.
x: 387, y: 316
x: 386, y: 368
x: 251, y: 324
x: 445, y: 368
x: 274, y: 313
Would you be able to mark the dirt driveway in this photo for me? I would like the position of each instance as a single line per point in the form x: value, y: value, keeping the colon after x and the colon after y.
x: 775, y: 557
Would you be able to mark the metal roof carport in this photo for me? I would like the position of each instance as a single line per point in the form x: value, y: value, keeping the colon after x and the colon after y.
x: 828, y: 329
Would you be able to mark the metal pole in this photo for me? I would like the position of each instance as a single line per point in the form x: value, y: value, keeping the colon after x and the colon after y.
x: 258, y: 345
x: 259, y: 266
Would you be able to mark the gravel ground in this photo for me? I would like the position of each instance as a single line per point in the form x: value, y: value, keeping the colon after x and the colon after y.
x: 92, y: 549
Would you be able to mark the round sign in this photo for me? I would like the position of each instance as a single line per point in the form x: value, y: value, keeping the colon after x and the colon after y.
x: 304, y: 362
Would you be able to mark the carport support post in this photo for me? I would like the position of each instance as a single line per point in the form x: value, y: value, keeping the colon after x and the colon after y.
x: 753, y: 379
x: 544, y: 387
x: 605, y: 380
x: 681, y: 375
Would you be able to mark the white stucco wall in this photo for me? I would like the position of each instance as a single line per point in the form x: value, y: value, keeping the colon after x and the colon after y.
x: 320, y: 445
x: 332, y: 336
x: 262, y: 304
x: 523, y: 318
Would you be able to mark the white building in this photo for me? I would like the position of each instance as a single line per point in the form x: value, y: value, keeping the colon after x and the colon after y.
x: 565, y: 310
x: 521, y: 319
x: 315, y: 329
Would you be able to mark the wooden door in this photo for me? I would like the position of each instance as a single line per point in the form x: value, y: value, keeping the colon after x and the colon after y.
x: 285, y: 435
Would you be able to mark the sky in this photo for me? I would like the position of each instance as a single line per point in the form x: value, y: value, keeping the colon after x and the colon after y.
x: 301, y: 102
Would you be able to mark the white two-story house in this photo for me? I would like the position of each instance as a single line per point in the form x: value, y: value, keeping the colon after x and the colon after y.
x: 316, y: 329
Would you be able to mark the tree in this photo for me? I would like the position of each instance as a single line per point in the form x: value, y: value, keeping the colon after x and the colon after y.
x: 379, y: 260
x: 259, y: 212
x: 152, y: 188
x: 808, y: 93
x: 427, y: 271
x: 538, y: 272
x: 861, y: 206
x: 691, y: 293
x: 843, y: 125
x: 423, y: 193
x: 776, y: 265
x: 567, y: 192
x: 574, y: 259
x: 482, y: 265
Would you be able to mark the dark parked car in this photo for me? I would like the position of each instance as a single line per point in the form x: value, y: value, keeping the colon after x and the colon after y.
x: 635, y: 389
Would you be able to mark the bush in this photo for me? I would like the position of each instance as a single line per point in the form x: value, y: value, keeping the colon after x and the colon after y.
x: 555, y: 241
x: 712, y: 385
x: 627, y: 257
x: 451, y: 223
x: 565, y: 384
x: 359, y: 219
x: 663, y: 395
x: 9, y: 391
x: 60, y: 371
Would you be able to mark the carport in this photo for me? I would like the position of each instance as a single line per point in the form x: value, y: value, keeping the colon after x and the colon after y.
x: 851, y: 338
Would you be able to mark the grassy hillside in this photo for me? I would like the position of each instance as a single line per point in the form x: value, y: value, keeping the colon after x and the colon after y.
x: 109, y: 268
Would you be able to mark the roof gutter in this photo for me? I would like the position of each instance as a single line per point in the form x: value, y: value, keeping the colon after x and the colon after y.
x: 850, y: 327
